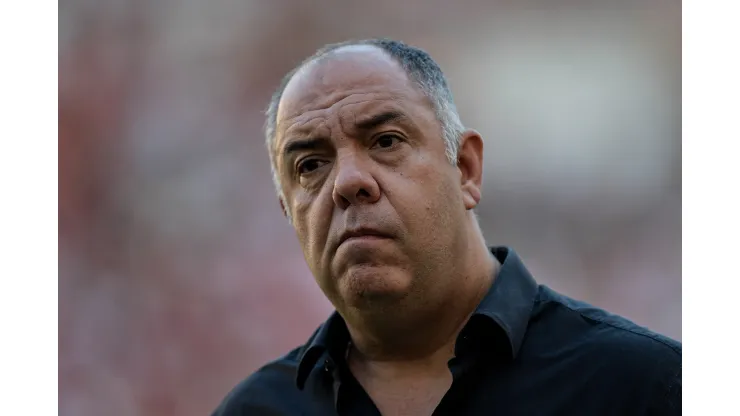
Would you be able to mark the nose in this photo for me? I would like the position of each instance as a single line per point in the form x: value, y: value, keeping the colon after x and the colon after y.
x: 354, y: 184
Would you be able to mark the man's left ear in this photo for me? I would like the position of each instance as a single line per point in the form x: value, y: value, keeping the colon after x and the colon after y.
x: 470, y: 163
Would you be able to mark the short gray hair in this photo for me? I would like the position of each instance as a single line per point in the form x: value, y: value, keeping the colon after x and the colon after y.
x: 420, y: 68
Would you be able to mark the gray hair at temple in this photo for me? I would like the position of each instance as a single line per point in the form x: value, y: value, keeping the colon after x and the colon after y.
x: 420, y: 68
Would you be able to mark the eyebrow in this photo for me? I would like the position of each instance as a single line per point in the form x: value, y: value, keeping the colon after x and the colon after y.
x: 380, y: 119
x: 300, y: 145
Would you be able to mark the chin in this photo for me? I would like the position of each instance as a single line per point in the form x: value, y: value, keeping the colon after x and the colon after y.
x: 363, y: 283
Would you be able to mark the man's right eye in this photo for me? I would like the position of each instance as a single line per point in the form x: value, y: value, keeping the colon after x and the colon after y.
x: 309, y: 165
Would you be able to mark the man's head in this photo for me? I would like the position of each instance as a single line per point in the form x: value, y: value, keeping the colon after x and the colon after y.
x: 376, y: 173
x: 419, y: 67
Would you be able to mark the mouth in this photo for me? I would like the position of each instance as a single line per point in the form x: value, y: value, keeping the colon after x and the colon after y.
x: 360, y: 235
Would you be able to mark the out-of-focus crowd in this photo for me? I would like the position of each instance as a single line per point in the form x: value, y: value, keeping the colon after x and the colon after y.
x: 178, y: 275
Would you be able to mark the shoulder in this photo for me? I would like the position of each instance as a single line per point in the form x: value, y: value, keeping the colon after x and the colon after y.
x: 605, y: 331
x: 634, y: 359
x: 266, y: 391
x: 622, y: 363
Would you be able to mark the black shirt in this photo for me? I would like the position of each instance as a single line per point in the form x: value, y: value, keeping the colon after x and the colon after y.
x: 526, y: 350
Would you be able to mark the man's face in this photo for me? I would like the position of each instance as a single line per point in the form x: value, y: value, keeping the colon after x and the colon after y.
x: 376, y: 204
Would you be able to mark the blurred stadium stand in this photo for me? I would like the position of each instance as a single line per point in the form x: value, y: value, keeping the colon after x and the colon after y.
x: 178, y: 274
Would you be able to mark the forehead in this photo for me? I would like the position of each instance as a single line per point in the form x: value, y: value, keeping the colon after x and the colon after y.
x: 359, y: 75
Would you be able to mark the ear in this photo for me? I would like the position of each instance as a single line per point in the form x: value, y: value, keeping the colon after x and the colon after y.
x: 470, y: 164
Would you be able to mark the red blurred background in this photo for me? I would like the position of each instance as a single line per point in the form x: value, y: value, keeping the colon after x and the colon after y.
x: 178, y: 274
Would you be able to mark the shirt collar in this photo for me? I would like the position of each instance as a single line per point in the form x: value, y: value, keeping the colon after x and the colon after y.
x: 510, y: 300
x: 332, y: 337
x: 508, y: 304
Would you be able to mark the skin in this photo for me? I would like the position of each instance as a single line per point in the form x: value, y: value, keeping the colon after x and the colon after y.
x: 404, y: 295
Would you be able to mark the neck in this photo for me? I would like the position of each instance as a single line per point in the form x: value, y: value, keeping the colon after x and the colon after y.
x: 412, y: 338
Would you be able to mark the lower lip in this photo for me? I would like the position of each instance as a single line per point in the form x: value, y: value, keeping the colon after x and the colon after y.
x: 364, y: 239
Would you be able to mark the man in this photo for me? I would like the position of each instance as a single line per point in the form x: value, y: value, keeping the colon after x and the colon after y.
x: 379, y: 179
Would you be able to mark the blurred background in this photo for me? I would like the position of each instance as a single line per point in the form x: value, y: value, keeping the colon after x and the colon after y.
x: 178, y: 275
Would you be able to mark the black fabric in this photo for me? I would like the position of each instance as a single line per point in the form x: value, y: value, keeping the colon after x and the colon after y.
x: 526, y: 350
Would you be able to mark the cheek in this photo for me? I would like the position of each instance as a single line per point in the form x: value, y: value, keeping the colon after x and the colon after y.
x: 429, y: 195
x: 312, y: 223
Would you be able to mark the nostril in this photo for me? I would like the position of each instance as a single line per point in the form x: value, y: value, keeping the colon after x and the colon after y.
x: 363, y: 193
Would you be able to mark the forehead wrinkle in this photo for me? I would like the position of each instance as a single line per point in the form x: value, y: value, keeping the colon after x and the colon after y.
x: 300, y: 120
x: 301, y: 126
x: 348, y: 119
x: 317, y: 78
x: 331, y: 100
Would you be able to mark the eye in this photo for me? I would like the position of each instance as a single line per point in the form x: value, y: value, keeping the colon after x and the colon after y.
x: 309, y: 165
x: 386, y: 141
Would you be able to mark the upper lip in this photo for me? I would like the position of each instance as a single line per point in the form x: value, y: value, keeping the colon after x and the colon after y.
x: 361, y: 232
